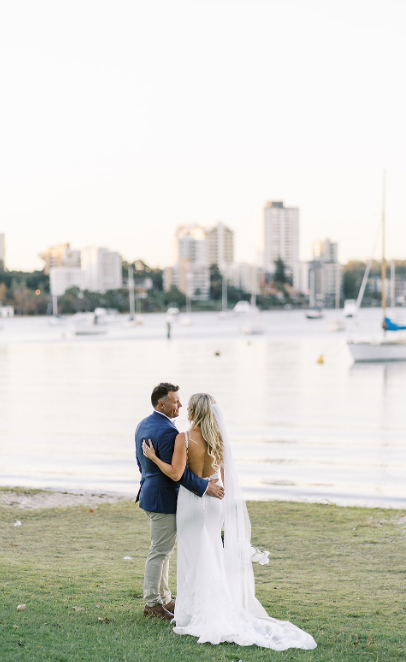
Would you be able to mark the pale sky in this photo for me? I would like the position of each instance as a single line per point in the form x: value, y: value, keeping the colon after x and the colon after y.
x: 120, y: 120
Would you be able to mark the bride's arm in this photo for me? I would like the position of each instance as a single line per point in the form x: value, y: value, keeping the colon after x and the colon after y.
x: 177, y: 467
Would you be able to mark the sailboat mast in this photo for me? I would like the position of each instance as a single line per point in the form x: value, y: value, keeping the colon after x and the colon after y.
x: 131, y: 291
x: 383, y: 263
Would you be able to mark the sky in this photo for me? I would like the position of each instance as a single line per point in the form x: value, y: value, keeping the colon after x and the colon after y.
x: 121, y: 120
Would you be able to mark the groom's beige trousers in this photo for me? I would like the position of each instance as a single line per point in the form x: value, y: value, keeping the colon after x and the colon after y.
x: 163, y: 537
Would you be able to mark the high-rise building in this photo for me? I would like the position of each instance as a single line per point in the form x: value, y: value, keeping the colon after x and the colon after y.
x: 281, y: 236
x: 328, y: 275
x: 220, y: 245
x: 196, y: 249
x: 2, y: 251
x: 206, y: 244
x: 61, y: 255
x: 102, y: 269
x: 191, y: 244
x: 325, y: 250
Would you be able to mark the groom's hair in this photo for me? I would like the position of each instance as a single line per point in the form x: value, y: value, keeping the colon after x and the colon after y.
x: 161, y: 391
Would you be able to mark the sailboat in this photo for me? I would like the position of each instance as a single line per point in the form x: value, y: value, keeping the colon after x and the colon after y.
x: 386, y: 348
x: 187, y: 320
x: 254, y: 324
x: 337, y: 324
x: 134, y: 319
x: 224, y: 312
x: 314, y: 312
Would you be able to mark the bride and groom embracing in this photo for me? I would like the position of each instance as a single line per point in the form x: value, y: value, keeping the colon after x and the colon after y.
x: 189, y: 489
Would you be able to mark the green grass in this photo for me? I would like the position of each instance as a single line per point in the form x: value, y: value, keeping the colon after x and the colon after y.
x: 339, y: 573
x: 23, y: 490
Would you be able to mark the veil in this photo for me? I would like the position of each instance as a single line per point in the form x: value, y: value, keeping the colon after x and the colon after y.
x: 238, y: 551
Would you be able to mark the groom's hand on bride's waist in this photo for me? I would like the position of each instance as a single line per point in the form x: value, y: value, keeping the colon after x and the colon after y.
x: 215, y: 490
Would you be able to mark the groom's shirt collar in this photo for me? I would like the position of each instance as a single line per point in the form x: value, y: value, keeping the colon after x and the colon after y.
x: 161, y: 414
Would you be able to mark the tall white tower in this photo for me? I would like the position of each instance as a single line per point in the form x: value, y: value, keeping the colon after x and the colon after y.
x: 281, y: 235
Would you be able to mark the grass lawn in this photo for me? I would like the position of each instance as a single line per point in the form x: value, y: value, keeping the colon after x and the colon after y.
x: 339, y: 573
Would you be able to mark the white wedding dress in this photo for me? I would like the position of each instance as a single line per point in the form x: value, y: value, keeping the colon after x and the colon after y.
x: 215, y: 585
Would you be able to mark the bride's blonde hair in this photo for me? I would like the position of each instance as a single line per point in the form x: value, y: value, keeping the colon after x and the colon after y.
x: 201, y: 416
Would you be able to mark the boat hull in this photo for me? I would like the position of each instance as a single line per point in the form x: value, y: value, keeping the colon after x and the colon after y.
x: 377, y: 351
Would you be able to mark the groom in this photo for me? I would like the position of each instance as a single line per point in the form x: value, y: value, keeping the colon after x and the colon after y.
x: 158, y: 496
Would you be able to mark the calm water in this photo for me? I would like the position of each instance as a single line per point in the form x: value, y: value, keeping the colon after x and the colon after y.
x: 334, y: 432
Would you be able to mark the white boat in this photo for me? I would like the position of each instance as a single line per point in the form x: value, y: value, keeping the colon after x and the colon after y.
x: 132, y: 322
x: 242, y: 308
x: 84, y: 324
x: 350, y: 308
x: 6, y: 311
x: 134, y: 319
x: 87, y: 330
x: 253, y: 323
x: 57, y: 320
x: 389, y: 347
x: 314, y: 314
x: 379, y: 350
x: 106, y: 316
x: 224, y: 314
x: 337, y: 324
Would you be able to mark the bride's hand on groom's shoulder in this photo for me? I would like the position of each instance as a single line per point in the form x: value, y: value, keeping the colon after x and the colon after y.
x: 215, y: 490
x: 148, y: 449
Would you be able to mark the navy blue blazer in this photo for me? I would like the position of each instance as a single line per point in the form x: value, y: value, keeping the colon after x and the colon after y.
x: 158, y: 493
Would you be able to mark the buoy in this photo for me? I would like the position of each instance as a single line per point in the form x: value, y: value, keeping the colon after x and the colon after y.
x: 320, y: 359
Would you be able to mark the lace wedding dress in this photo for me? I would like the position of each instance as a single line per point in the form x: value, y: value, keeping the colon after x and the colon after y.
x: 215, y: 586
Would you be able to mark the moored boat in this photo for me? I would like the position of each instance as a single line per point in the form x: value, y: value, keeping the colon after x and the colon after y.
x: 388, y: 347
x: 381, y: 350
x: 350, y: 308
x: 314, y: 314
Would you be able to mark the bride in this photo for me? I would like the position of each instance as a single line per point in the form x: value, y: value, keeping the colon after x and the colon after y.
x: 215, y: 586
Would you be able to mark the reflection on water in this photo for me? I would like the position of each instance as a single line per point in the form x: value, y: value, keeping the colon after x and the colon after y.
x: 300, y: 430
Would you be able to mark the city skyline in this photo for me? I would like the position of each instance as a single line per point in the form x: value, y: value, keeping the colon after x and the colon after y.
x: 121, y: 123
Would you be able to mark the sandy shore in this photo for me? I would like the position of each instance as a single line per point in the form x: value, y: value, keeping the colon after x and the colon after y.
x: 26, y: 500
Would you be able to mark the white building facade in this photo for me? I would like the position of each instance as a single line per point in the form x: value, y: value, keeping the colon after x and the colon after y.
x: 191, y: 244
x: 196, y: 249
x: 61, y: 255
x: 328, y: 273
x: 220, y: 246
x: 62, y: 278
x: 102, y: 269
x: 281, y: 235
x: 244, y: 276
x: 6, y: 311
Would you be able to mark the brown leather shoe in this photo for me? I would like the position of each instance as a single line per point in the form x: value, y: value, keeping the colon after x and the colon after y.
x: 159, y: 611
x: 170, y: 606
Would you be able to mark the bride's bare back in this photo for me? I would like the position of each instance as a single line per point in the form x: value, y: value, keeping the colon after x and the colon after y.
x: 199, y: 460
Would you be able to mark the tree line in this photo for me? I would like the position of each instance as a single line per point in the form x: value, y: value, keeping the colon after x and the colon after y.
x: 29, y: 292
